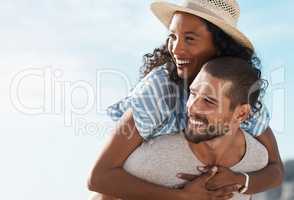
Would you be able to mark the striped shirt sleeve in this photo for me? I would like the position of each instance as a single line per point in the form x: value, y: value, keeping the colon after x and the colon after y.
x: 257, y: 123
x: 151, y: 101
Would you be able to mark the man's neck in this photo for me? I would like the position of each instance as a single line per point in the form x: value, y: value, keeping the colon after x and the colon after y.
x: 225, y: 151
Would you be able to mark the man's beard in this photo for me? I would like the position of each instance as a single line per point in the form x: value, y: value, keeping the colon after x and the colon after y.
x: 208, y: 132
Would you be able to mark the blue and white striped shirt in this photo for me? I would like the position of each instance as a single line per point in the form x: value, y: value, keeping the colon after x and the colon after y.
x: 159, y: 107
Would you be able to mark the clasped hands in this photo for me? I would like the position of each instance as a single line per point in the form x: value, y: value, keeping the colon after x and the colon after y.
x: 214, y: 183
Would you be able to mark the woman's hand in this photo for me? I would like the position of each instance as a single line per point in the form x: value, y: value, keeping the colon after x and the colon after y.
x: 224, y: 177
x: 197, y: 188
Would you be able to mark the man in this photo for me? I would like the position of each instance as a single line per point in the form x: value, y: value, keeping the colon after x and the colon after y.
x: 223, y: 95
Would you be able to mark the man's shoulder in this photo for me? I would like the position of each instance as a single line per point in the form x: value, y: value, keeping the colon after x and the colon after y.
x: 256, y: 155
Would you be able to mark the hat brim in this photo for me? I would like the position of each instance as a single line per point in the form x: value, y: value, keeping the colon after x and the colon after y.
x: 164, y: 11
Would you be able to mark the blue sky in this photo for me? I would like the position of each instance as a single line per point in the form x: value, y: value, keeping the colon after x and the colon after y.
x: 82, y: 38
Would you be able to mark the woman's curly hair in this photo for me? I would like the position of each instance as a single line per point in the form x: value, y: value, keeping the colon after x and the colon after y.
x: 225, y: 46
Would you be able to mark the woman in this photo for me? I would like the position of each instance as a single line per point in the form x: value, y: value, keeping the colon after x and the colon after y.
x: 199, y: 31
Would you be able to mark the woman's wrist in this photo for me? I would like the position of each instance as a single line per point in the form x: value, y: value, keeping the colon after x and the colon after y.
x: 244, y: 187
x: 240, y: 179
x: 182, y: 195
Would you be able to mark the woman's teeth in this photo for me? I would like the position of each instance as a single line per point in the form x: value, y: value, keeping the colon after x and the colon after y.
x: 183, y: 62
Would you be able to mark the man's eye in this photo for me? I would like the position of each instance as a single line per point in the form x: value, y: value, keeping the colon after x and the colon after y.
x: 192, y: 94
x: 190, y: 38
x: 208, y: 101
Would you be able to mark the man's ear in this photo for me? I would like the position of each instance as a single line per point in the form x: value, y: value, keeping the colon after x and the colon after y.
x: 242, y: 112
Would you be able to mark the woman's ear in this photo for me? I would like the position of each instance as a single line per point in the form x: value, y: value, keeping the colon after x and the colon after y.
x: 242, y: 112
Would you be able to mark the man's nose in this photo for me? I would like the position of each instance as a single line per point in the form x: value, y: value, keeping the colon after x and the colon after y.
x: 194, y: 105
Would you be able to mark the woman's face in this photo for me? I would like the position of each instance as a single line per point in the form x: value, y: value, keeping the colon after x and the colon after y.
x: 190, y: 44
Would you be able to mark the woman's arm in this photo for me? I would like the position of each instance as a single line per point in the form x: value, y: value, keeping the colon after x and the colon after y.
x: 108, y: 177
x: 273, y: 174
x: 267, y: 178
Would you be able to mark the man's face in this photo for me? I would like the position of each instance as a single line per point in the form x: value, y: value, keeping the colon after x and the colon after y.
x: 190, y: 44
x: 209, y: 114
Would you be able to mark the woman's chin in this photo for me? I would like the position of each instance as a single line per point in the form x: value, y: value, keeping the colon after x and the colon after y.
x: 186, y: 73
x: 183, y: 73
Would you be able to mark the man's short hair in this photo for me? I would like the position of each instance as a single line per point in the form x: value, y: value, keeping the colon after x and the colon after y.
x: 247, y: 85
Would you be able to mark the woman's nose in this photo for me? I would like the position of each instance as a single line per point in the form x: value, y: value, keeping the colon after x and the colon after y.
x: 179, y: 48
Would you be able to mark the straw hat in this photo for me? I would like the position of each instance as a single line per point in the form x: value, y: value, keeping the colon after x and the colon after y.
x: 222, y: 13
